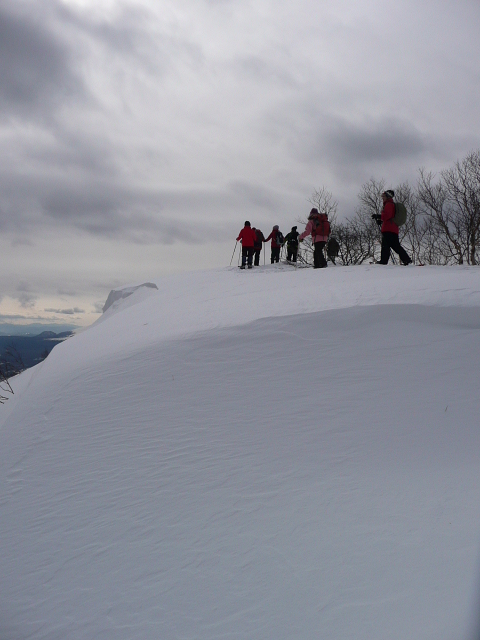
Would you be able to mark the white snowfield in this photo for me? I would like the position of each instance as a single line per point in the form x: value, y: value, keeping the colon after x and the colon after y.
x: 273, y: 454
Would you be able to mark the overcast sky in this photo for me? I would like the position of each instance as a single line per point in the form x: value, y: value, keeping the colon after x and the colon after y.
x: 136, y: 137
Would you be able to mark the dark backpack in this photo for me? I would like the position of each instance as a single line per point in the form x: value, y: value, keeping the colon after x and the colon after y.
x: 292, y: 237
x: 400, y: 214
x: 279, y: 239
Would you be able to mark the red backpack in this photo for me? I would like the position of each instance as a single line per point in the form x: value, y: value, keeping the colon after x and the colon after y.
x: 321, y: 225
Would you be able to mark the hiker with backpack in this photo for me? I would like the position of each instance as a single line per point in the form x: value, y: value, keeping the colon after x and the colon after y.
x: 276, y: 236
x: 260, y: 238
x: 292, y: 244
x: 390, y: 223
x: 247, y: 237
x: 319, y: 228
x: 333, y: 249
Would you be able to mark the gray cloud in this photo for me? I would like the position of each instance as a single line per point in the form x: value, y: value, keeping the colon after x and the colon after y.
x: 254, y: 195
x: 382, y: 140
x: 66, y: 292
x: 108, y: 209
x: 66, y: 312
x: 25, y: 295
x: 128, y: 37
x: 264, y: 71
x: 35, y: 66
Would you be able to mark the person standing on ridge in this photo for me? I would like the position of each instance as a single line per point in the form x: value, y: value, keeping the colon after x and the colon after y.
x: 389, y: 230
x: 319, y: 227
x: 292, y: 244
x: 276, y: 237
x: 260, y: 238
x: 247, y: 237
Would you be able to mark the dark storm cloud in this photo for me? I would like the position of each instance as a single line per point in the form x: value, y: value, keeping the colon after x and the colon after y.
x: 70, y: 150
x: 129, y: 36
x: 354, y: 147
x: 41, y: 47
x: 35, y: 66
x: 110, y: 209
x: 315, y: 136
x: 382, y: 140
x: 57, y: 170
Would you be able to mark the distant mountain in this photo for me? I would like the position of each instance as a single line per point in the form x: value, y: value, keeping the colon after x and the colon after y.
x: 23, y: 352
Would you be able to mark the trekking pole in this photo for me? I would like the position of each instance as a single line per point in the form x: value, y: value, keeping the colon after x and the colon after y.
x: 233, y: 252
x: 263, y: 254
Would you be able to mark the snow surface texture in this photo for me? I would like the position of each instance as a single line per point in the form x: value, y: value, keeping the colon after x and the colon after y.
x: 251, y: 455
x: 117, y: 295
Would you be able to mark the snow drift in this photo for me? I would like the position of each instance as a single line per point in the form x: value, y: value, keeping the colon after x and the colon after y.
x: 271, y: 454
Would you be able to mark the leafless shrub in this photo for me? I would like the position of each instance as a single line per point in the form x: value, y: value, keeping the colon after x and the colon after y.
x: 443, y: 221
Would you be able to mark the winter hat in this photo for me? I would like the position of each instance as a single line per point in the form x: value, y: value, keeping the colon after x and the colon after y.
x: 294, y: 228
x: 247, y: 223
x: 390, y: 193
x: 313, y: 212
x: 276, y: 227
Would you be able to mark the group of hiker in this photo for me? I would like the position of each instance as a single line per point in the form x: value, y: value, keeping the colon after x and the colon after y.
x: 318, y: 228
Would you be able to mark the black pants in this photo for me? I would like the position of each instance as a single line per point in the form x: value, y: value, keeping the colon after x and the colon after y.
x: 390, y: 241
x: 318, y: 256
x: 275, y: 257
x: 256, y: 261
x: 247, y: 254
x: 292, y: 250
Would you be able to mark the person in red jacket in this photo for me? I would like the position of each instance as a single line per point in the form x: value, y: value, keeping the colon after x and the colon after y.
x: 277, y: 242
x: 319, y: 227
x: 247, y: 237
x: 390, y: 231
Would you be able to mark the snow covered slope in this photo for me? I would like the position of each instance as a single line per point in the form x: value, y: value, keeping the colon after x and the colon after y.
x: 271, y: 454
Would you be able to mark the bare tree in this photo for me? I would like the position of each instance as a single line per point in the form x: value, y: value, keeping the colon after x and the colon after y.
x: 5, y: 386
x: 413, y: 233
x: 462, y: 185
x: 444, y: 223
x: 10, y: 365
x: 443, y: 217
x: 323, y: 200
x: 356, y: 242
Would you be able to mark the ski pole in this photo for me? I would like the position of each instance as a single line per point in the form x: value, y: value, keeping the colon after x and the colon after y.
x: 233, y: 252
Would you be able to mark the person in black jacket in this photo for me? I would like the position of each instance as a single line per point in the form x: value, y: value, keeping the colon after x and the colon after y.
x: 292, y: 244
x: 258, y: 246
